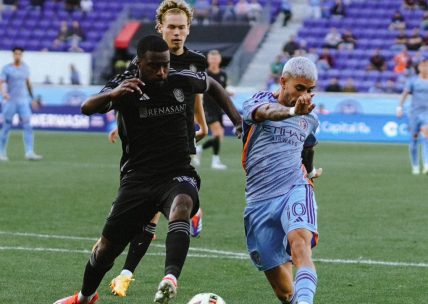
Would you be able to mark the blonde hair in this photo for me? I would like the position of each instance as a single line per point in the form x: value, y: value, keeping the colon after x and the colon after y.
x: 173, y: 7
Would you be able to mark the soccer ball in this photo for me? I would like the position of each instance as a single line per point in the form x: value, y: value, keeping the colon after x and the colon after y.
x: 206, y: 298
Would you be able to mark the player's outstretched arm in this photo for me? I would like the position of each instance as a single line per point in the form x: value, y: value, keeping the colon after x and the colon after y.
x: 276, y: 111
x: 399, y: 110
x: 223, y: 100
x: 101, y: 103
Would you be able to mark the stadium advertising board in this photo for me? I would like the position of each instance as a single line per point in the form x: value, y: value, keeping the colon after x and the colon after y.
x: 344, y: 117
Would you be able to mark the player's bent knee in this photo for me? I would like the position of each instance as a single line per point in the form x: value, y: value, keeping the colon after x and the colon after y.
x: 181, y: 207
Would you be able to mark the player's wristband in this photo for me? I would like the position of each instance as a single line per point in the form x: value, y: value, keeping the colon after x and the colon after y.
x: 312, y: 174
x: 399, y: 108
x: 292, y: 111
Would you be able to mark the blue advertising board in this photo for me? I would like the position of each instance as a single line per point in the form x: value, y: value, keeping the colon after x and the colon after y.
x: 367, y: 128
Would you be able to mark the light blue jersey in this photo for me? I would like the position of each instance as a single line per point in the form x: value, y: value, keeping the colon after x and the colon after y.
x: 15, y: 78
x: 419, y: 104
x: 419, y: 90
x: 272, y: 150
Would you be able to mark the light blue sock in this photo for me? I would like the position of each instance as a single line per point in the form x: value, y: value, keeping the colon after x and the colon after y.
x: 425, y: 150
x: 414, y: 155
x: 4, y: 137
x: 305, y: 285
x: 28, y: 137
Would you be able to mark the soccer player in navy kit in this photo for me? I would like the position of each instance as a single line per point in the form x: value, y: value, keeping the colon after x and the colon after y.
x: 156, y: 175
x: 173, y: 22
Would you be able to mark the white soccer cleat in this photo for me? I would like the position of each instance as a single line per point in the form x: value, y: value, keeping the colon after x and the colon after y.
x: 217, y: 164
x: 196, y: 158
x: 167, y: 289
x: 33, y: 156
x: 416, y: 171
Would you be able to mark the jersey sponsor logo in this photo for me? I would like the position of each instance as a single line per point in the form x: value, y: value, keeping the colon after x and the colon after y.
x: 285, y: 135
x: 146, y: 112
x: 178, y: 94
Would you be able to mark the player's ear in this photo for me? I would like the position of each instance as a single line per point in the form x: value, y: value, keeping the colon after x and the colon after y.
x: 158, y: 28
x: 283, y: 82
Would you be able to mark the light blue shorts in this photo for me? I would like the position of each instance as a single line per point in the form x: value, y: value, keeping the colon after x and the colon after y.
x: 10, y: 108
x: 416, y: 121
x: 268, y: 222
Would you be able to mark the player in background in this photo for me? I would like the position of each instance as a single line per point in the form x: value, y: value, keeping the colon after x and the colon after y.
x: 418, y: 116
x: 173, y: 20
x: 15, y: 95
x: 281, y: 216
x: 157, y: 175
x: 213, y: 113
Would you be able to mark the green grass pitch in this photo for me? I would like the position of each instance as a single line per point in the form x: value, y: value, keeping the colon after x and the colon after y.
x: 372, y: 212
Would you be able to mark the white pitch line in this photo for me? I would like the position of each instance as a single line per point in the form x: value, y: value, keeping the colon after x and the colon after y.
x: 66, y: 237
x: 215, y: 253
x: 63, y: 250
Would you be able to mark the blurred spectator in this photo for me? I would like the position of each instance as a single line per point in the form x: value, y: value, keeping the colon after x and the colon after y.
x: 424, y: 46
x: 37, y: 4
x: 315, y: 8
x: 333, y: 86
x: 391, y: 88
x: 276, y: 70
x: 75, y: 36
x: 376, y: 88
x: 348, y: 41
x: 255, y: 11
x: 397, y: 21
x: 377, y: 61
x: 338, y: 9
x: 47, y: 80
x: 414, y: 42
x: 402, y: 61
x: 424, y: 22
x: 312, y: 55
x: 321, y: 110
x: 74, y: 75
x: 349, y: 86
x: 423, y: 4
x: 229, y: 12
x: 201, y: 11
x: 10, y: 5
x: 242, y: 7
x: 409, y: 4
x: 286, y: 12
x: 325, y: 61
x: 215, y: 13
x: 291, y: 46
x: 62, y: 36
x: 72, y: 5
x: 332, y: 38
x: 400, y: 41
x: 86, y: 6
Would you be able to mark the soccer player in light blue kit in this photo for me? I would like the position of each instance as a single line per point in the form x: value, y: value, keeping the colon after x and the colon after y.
x: 281, y: 216
x: 15, y: 101
x: 418, y: 116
